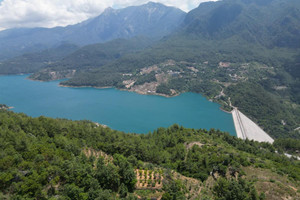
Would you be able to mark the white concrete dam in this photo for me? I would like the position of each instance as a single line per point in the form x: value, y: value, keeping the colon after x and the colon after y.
x: 246, y: 128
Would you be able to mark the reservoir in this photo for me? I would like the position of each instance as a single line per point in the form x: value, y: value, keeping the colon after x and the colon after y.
x: 120, y: 110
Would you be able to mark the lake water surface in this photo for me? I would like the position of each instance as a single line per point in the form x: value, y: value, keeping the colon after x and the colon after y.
x: 120, y: 110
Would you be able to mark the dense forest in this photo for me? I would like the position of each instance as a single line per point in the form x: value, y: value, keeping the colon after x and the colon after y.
x: 44, y: 158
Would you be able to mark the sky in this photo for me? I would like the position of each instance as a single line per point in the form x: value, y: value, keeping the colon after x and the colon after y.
x: 51, y: 13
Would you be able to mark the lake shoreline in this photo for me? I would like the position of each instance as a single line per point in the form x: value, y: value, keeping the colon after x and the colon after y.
x: 128, y: 90
x: 111, y: 87
x: 141, y: 93
x: 68, y: 86
x: 7, y: 108
x: 119, y: 109
x: 229, y: 112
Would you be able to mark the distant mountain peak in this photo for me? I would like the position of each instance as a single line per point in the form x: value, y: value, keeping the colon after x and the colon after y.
x: 108, y: 11
x: 150, y: 6
x: 151, y: 3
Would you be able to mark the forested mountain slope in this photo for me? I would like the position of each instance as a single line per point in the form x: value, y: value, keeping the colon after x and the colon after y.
x: 271, y: 23
x: 44, y: 158
x: 91, y: 57
x: 33, y: 62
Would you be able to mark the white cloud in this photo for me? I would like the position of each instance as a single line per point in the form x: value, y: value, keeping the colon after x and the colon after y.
x: 51, y: 13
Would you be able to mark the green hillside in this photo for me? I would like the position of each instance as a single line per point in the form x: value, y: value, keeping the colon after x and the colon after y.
x: 33, y: 62
x: 44, y: 158
x: 271, y: 23
x: 91, y: 57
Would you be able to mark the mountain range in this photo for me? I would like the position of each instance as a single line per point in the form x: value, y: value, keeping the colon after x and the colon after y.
x: 152, y: 20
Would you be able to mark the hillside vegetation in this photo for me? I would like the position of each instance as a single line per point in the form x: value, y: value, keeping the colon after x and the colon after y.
x: 44, y: 158
x: 91, y: 57
x: 33, y: 62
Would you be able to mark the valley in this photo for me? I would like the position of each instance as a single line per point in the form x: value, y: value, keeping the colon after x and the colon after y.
x: 219, y: 60
x: 147, y: 101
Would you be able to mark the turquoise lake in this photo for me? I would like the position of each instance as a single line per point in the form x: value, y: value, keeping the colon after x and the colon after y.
x: 120, y: 110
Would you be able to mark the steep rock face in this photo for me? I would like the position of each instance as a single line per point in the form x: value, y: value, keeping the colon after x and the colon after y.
x: 151, y: 20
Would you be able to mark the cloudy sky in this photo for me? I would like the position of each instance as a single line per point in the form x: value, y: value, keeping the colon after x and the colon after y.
x: 50, y: 13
